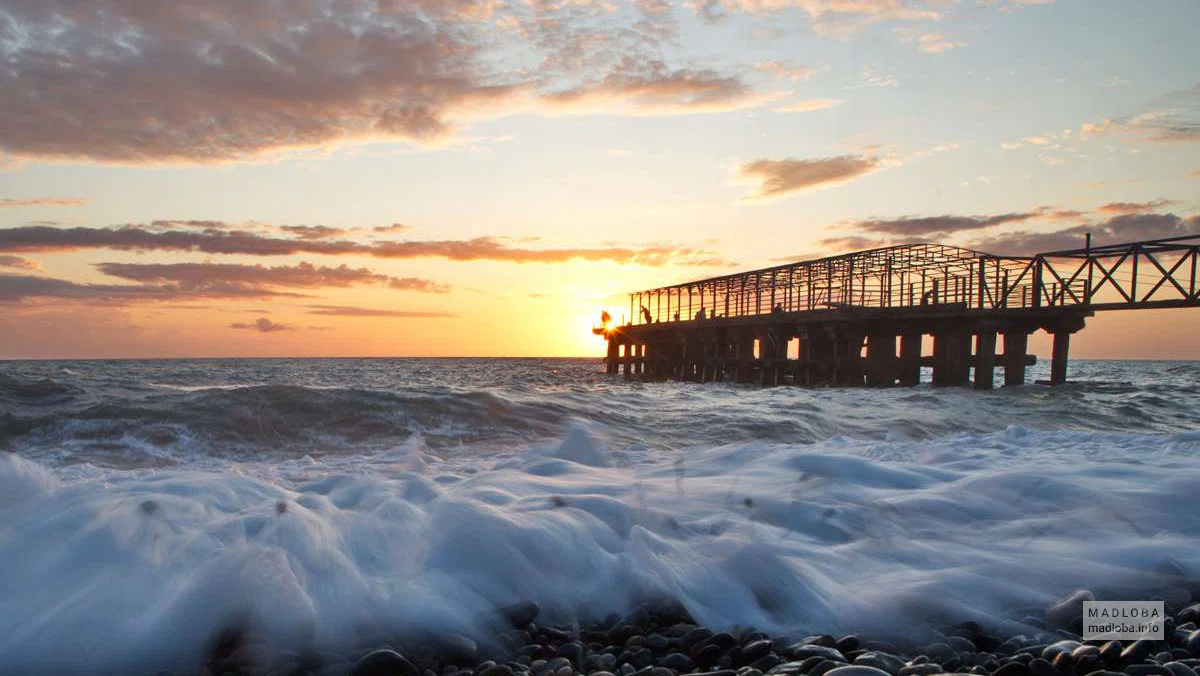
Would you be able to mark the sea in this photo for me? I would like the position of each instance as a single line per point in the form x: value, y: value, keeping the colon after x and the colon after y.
x: 146, y: 504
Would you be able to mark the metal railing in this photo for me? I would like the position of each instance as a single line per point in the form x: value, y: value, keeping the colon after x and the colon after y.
x: 1136, y: 275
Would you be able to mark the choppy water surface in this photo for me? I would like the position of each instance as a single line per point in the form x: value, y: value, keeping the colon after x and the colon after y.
x: 145, y: 503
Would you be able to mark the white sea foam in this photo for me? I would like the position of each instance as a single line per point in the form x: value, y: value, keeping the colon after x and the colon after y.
x: 106, y: 568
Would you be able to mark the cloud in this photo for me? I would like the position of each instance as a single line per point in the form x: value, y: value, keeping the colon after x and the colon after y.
x: 653, y: 88
x: 220, y: 81
x: 1133, y: 207
x: 936, y: 43
x: 314, y: 231
x: 778, y: 178
x: 42, y: 201
x: 17, y: 288
x: 909, y: 226
x: 262, y: 325
x: 222, y: 241
x: 1122, y: 228
x: 808, y: 106
x: 1174, y: 119
x: 394, y: 227
x: 202, y: 276
x: 788, y: 71
x: 842, y: 16
x: 349, y: 311
x: 872, y: 79
x: 19, y: 263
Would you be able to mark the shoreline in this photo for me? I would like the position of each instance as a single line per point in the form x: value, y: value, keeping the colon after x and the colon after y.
x: 663, y: 640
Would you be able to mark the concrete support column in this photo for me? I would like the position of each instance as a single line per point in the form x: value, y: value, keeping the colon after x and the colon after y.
x: 1058, y: 359
x: 950, y: 356
x: 985, y: 360
x: 881, y: 359
x: 610, y: 361
x: 1016, y: 345
x: 910, y: 359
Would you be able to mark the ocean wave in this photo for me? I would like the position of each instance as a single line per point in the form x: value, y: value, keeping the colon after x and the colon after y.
x: 110, y: 569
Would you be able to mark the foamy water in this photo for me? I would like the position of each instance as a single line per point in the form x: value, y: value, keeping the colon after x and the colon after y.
x: 148, y: 503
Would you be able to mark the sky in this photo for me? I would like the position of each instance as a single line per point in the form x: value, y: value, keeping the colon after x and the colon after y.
x: 213, y: 178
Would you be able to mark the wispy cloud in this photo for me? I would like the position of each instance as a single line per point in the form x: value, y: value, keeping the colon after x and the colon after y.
x: 229, y: 241
x: 780, y: 178
x: 350, y: 311
x: 1123, y: 228
x: 16, y: 288
x: 808, y: 106
x: 937, y: 225
x: 1174, y: 119
x: 19, y: 263
x: 314, y: 231
x: 303, y: 275
x: 262, y: 325
x: 936, y: 43
x: 1133, y: 207
x: 782, y: 69
x: 42, y: 201
x: 655, y: 89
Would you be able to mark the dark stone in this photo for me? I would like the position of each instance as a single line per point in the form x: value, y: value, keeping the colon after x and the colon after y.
x: 1054, y: 649
x: 723, y: 641
x: 881, y: 661
x: 793, y: 668
x: 1067, y: 612
x: 1110, y: 653
x: 805, y: 665
x: 695, y: 636
x: 765, y: 663
x: 1063, y: 663
x: 927, y: 669
x: 824, y: 667
x: 1180, y: 669
x: 961, y: 645
x: 847, y: 644
x: 455, y: 648
x: 1192, y: 644
x: 658, y: 643
x: 677, y: 661
x: 390, y: 663
x: 856, y: 670
x: 1148, y: 670
x: 802, y: 650
x: 1137, y: 651
x: 1039, y: 666
x: 519, y: 615
x: 818, y: 639
x: 1012, y: 669
x: 662, y: 671
x: 756, y: 650
x: 1086, y: 663
x: 572, y: 650
x: 706, y: 655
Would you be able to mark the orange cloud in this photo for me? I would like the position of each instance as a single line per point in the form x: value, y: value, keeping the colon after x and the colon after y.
x: 779, y: 178
x: 216, y: 240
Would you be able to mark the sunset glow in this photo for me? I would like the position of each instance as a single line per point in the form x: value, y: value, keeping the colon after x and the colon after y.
x: 477, y: 178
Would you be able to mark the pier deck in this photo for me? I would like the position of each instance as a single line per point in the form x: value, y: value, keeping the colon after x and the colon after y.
x: 862, y: 318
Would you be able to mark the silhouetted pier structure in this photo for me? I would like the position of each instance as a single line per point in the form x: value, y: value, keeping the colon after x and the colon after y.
x: 862, y: 318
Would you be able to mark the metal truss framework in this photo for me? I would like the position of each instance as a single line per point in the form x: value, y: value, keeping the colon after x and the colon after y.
x: 1160, y: 273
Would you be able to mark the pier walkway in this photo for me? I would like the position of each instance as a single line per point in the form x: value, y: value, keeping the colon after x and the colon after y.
x: 862, y: 318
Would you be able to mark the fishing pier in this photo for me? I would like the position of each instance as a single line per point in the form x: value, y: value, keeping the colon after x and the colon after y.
x: 876, y: 317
